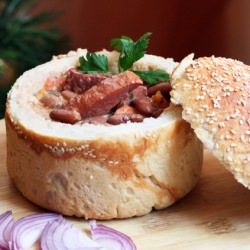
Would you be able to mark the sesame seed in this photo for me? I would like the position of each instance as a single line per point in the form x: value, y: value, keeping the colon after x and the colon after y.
x: 217, y: 105
x: 233, y: 131
x: 205, y: 107
x: 234, y: 115
x: 222, y: 125
x: 214, y: 73
x: 203, y: 87
x: 226, y: 94
x: 199, y: 98
x: 211, y: 114
x: 221, y: 137
x: 71, y: 150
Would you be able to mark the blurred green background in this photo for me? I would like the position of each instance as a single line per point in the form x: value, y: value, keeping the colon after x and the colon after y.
x: 26, y: 40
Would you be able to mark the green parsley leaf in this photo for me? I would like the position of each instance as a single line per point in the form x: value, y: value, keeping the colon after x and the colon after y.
x: 130, y: 51
x: 94, y: 63
x: 153, y: 76
x: 120, y: 43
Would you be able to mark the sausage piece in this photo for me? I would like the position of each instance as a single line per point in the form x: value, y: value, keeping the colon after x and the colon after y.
x: 79, y: 82
x: 136, y: 93
x: 140, y: 91
x: 101, y: 98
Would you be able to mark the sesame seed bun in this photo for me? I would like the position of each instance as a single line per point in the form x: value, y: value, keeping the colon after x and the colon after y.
x: 98, y: 171
x: 215, y: 96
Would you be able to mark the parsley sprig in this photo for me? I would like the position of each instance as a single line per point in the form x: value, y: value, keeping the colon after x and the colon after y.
x: 130, y: 52
x: 94, y: 63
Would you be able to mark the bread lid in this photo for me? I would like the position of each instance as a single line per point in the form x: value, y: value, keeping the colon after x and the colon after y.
x: 215, y: 95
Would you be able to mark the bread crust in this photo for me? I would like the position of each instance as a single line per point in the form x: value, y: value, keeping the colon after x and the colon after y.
x: 97, y: 171
x: 215, y: 95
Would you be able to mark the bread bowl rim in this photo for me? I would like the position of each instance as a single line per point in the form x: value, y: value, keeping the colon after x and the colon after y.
x: 19, y: 107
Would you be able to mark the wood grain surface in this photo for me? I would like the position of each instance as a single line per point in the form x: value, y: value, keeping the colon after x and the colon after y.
x: 215, y: 215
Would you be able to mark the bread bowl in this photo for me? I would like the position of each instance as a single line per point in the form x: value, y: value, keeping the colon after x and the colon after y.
x: 98, y: 171
x: 215, y: 95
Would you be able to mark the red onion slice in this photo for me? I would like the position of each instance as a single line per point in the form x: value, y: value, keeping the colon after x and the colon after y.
x: 6, y: 223
x: 27, y: 230
x: 62, y: 235
x: 54, y: 232
x: 110, y: 238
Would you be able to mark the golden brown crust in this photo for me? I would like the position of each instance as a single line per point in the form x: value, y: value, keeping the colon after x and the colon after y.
x: 107, y: 179
x: 215, y: 95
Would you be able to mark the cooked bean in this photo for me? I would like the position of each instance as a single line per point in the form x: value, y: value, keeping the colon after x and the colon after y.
x: 67, y: 94
x: 163, y: 87
x: 66, y: 116
x: 146, y: 106
x: 124, y: 118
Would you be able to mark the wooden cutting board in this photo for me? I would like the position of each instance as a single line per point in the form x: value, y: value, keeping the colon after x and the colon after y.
x: 215, y: 215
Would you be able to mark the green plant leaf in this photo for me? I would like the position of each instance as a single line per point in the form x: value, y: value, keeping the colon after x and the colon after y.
x: 130, y: 51
x: 120, y: 43
x: 94, y: 63
x: 153, y: 76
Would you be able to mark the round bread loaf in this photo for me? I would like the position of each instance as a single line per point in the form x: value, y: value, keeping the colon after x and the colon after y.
x: 97, y: 171
x: 215, y: 95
